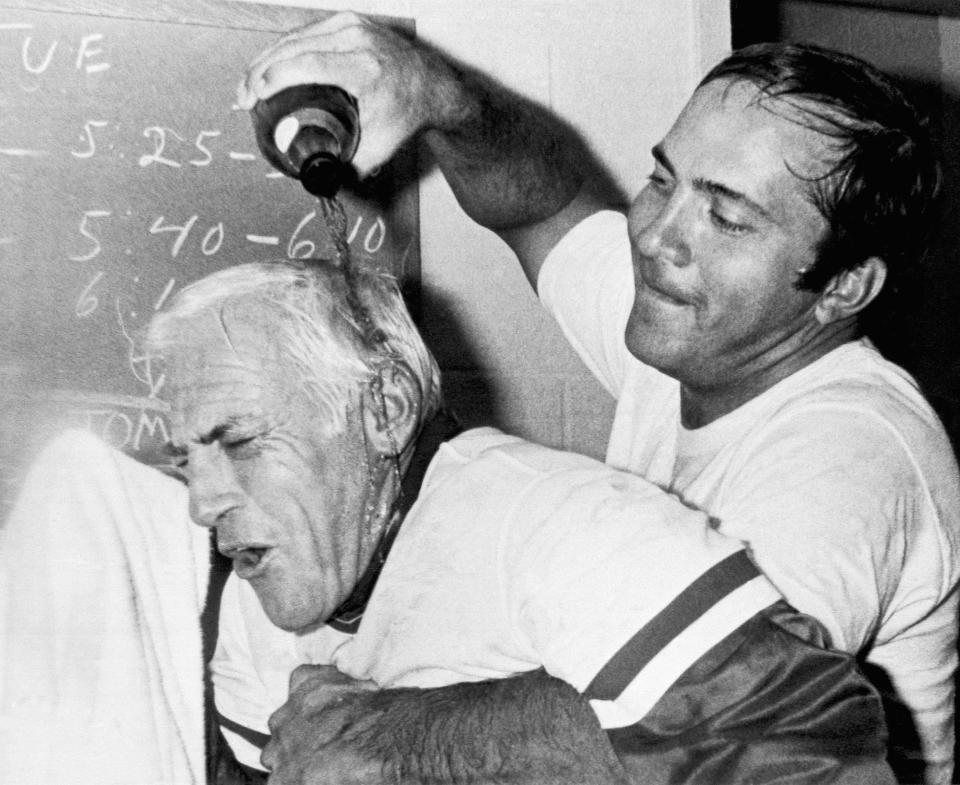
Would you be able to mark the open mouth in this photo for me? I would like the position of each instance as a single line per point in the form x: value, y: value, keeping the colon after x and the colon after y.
x: 246, y: 560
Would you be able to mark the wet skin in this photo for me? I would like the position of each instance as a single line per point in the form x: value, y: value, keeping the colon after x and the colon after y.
x: 286, y: 500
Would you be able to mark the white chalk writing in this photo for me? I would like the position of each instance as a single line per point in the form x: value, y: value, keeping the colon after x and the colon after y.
x: 87, y: 229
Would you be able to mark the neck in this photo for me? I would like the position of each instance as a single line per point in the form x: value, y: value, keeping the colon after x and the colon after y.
x: 702, y: 404
x: 413, y: 466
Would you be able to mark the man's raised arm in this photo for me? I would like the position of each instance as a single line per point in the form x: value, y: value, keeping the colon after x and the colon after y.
x: 513, y: 168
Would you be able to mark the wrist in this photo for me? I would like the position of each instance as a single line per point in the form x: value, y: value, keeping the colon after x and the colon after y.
x: 456, y: 105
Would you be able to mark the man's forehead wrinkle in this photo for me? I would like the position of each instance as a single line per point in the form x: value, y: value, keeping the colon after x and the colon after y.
x: 250, y: 319
x: 212, y: 383
x: 221, y: 320
x: 228, y: 336
x: 208, y: 368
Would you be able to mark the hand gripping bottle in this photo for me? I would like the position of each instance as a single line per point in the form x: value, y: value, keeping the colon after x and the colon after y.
x: 310, y: 133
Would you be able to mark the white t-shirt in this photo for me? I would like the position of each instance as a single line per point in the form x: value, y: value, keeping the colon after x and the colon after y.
x: 514, y: 557
x: 840, y: 477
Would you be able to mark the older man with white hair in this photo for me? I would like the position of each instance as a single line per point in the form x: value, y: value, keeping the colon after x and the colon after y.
x: 371, y: 552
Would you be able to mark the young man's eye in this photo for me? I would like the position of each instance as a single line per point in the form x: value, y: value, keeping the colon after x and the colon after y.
x: 728, y: 226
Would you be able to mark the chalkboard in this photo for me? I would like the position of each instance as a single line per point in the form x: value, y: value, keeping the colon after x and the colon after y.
x: 127, y: 171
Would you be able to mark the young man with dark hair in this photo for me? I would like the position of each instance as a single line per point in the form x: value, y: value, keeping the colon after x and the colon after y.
x: 725, y: 313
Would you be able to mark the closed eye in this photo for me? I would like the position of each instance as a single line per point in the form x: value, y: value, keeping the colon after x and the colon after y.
x: 727, y: 226
x: 238, y: 442
x: 657, y: 180
x: 177, y: 455
x: 241, y: 446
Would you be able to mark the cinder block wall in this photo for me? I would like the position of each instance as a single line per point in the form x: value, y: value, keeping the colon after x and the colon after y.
x: 619, y: 71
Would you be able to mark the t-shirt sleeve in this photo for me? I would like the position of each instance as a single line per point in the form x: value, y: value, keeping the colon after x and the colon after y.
x: 622, y: 588
x: 838, y: 533
x: 921, y: 664
x: 851, y: 538
x: 586, y: 283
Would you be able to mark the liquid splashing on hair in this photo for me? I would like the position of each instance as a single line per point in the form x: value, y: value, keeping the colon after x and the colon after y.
x: 332, y: 212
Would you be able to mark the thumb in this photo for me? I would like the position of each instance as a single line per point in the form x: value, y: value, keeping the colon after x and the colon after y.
x: 304, y: 673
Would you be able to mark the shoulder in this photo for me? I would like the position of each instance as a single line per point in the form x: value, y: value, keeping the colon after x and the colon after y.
x: 491, y: 454
x: 540, y: 491
x: 854, y: 404
x: 851, y: 461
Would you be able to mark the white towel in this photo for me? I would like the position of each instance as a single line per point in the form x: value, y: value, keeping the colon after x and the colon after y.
x: 102, y: 582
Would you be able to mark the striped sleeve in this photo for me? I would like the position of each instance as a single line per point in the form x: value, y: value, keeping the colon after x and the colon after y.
x: 245, y: 743
x: 710, y: 608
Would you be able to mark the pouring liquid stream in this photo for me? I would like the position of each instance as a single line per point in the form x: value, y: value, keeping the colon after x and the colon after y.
x: 333, y: 213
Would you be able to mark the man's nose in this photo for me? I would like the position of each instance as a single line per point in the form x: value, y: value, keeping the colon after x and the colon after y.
x: 214, y: 490
x: 662, y: 233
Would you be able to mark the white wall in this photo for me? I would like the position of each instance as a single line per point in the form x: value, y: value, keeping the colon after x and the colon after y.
x: 619, y: 71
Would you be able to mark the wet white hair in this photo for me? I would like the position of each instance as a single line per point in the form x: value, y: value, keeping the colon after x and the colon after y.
x: 337, y: 333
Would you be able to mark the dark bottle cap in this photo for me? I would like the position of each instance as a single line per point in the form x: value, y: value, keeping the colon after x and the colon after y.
x: 322, y: 175
x: 315, y: 155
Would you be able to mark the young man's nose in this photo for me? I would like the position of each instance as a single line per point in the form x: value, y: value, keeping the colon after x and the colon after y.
x: 662, y: 234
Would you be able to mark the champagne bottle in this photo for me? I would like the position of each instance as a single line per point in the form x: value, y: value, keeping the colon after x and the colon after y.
x: 310, y: 133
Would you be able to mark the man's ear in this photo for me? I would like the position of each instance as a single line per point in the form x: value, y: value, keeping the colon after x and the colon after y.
x: 850, y: 291
x: 392, y: 402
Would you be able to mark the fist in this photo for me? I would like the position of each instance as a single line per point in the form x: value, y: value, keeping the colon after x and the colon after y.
x: 317, y: 736
x: 394, y: 79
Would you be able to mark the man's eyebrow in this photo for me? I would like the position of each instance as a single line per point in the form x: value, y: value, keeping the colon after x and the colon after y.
x: 719, y: 189
x: 215, y: 433
x: 238, y: 422
x: 173, y: 450
x: 711, y: 187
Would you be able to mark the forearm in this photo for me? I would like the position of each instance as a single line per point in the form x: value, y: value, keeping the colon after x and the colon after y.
x: 514, y: 168
x: 528, y: 729
x: 508, y: 163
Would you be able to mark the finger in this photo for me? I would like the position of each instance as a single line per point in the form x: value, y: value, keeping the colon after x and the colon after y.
x: 276, y: 721
x: 331, y: 24
x: 346, y: 70
x: 372, y: 154
x: 291, y: 47
x: 327, y: 26
x: 268, y: 758
x: 317, y: 39
x: 311, y: 673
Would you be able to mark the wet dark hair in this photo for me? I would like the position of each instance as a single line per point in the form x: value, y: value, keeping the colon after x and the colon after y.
x: 880, y: 192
